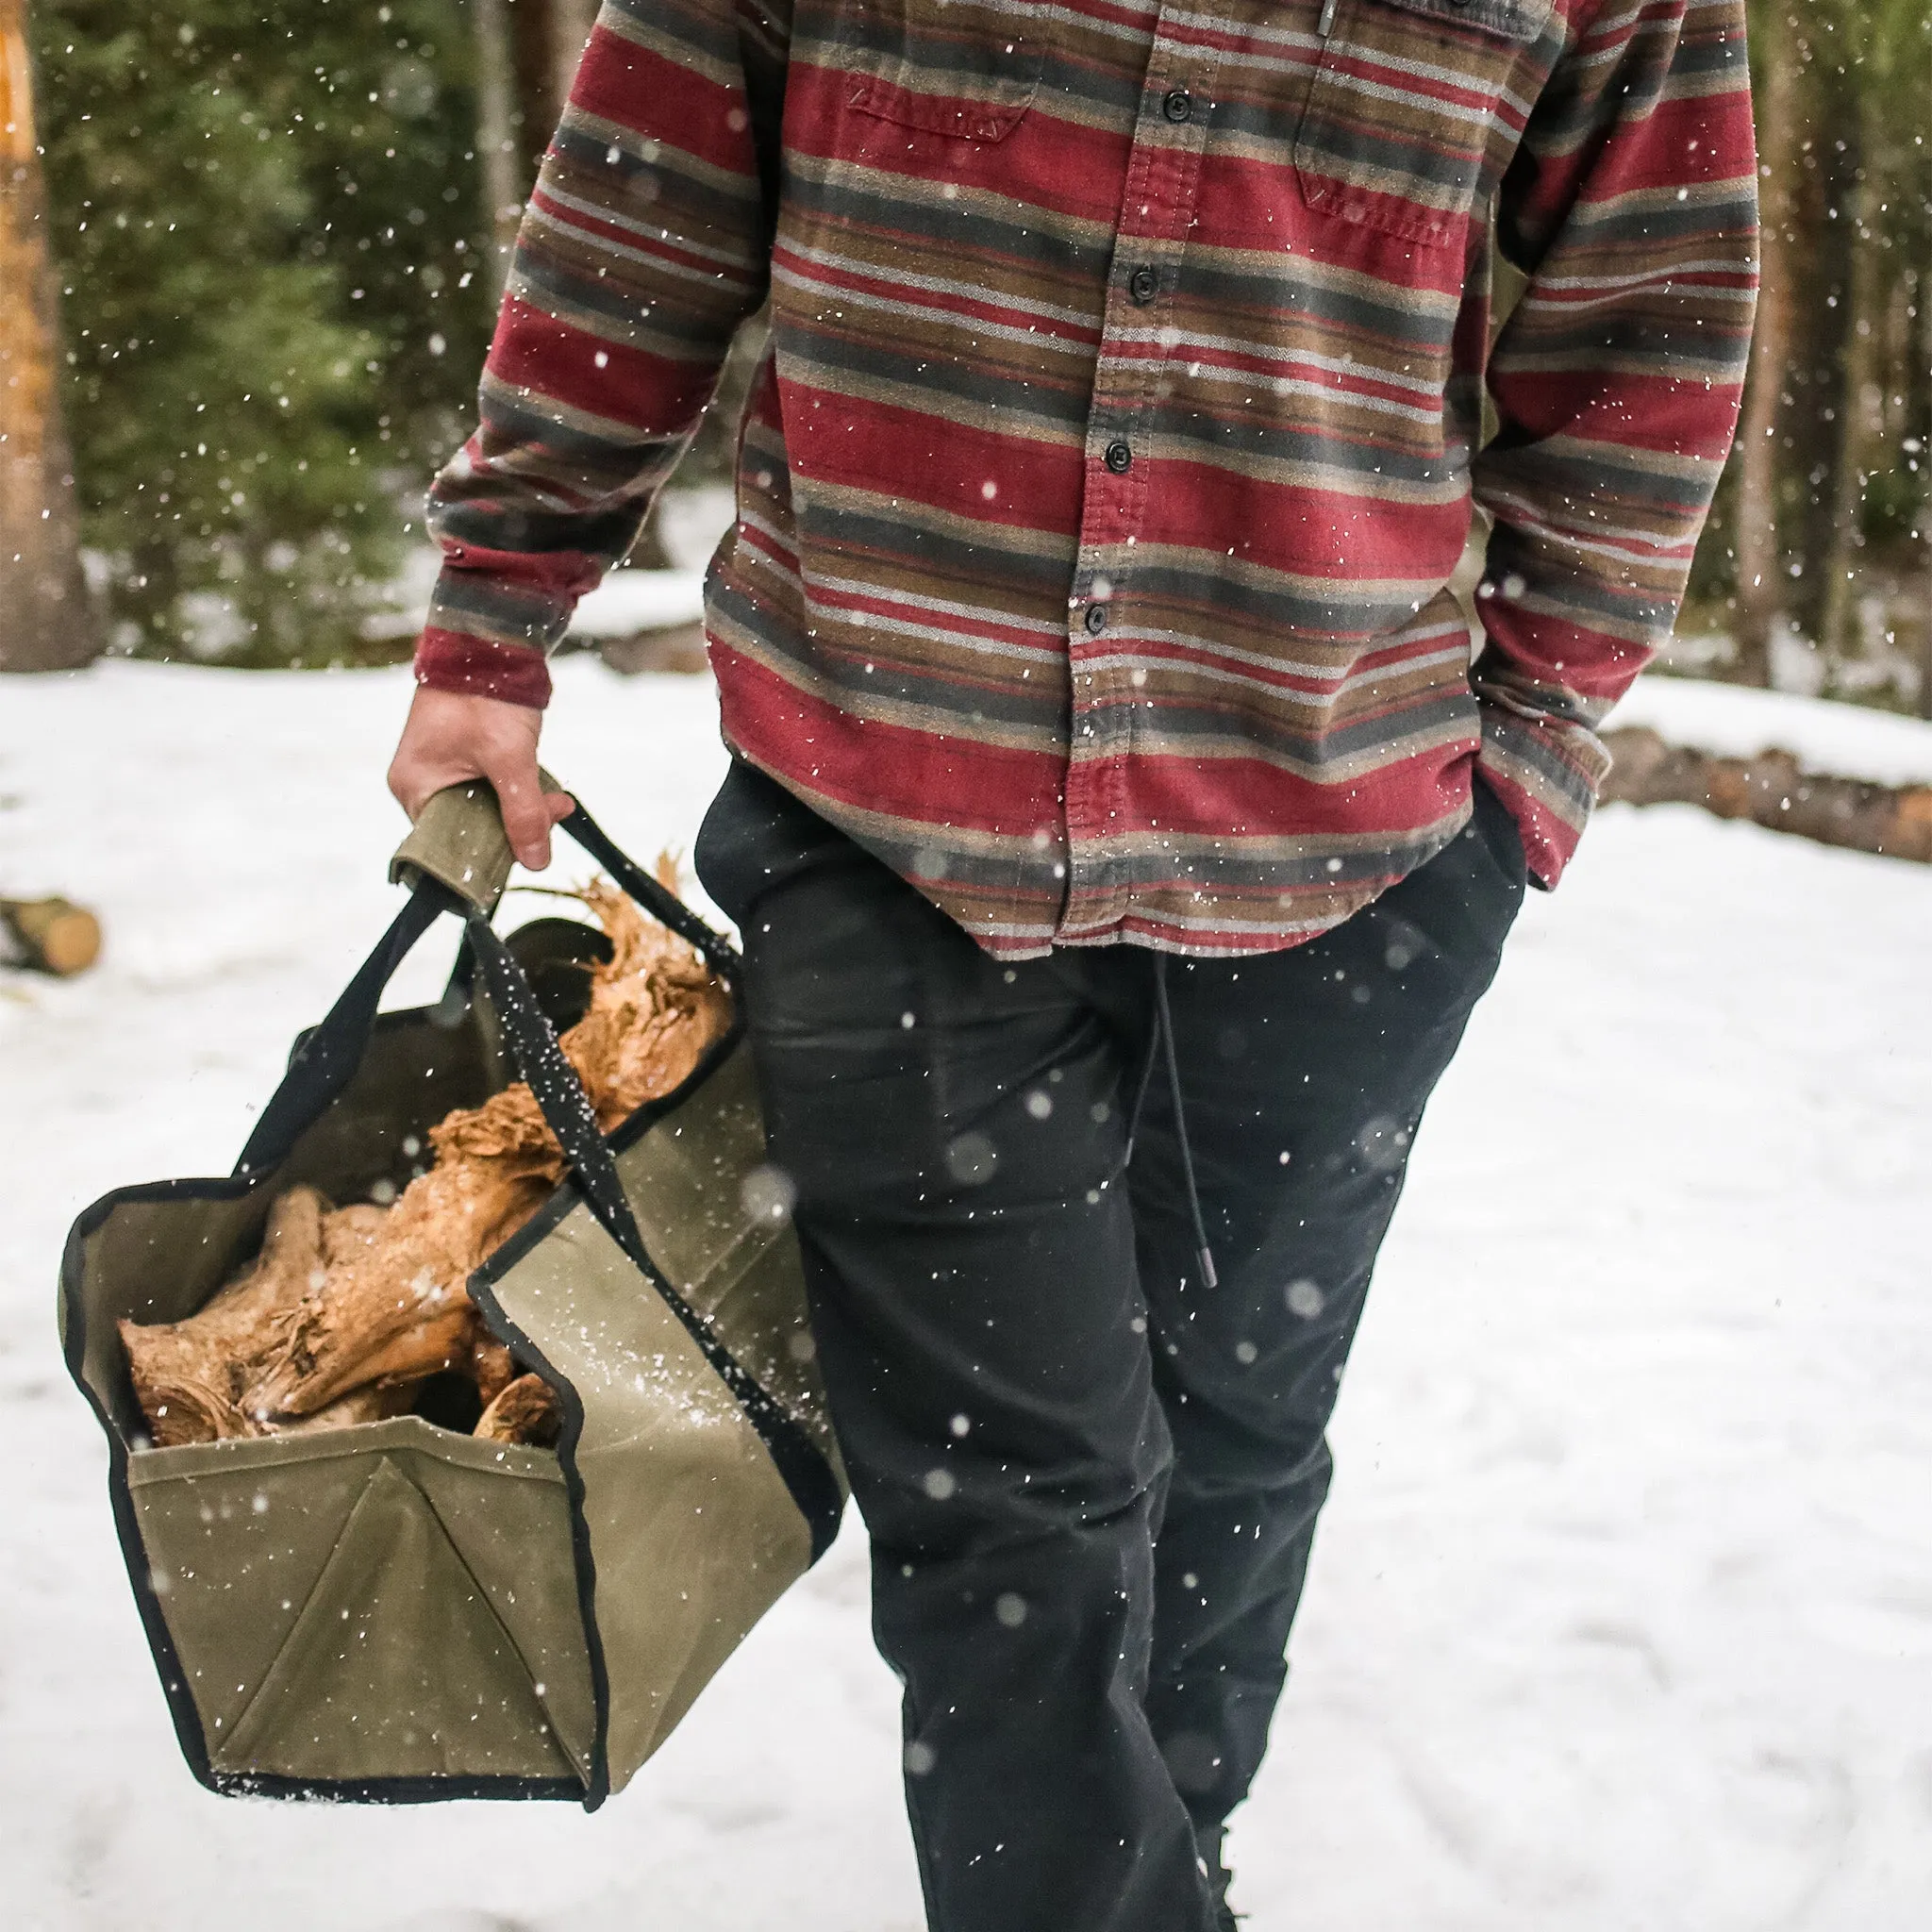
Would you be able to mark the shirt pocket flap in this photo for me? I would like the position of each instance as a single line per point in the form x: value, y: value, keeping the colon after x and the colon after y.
x: 1521, y: 21
x: 966, y: 68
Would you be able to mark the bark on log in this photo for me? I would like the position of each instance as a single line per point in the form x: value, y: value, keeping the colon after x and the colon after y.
x: 524, y: 1410
x: 1772, y: 789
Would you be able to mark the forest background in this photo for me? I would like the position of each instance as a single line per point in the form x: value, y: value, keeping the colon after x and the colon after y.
x: 250, y: 253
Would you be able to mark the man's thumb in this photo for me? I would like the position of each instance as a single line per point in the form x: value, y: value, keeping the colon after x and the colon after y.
x: 527, y: 815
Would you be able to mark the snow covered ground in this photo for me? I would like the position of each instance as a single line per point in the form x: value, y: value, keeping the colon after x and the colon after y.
x: 1622, y: 1614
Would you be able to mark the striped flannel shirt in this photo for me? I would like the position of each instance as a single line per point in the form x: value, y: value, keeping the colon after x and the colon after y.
x: 1122, y: 413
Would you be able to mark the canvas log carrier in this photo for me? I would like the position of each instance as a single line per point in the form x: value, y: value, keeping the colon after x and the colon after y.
x: 394, y: 1611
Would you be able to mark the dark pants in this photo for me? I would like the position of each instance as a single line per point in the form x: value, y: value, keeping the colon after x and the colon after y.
x: 1091, y: 1481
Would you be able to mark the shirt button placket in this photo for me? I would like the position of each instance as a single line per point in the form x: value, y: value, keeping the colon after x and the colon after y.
x: 1161, y: 183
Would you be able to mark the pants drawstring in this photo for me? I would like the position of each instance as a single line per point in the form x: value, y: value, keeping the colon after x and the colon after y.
x: 1163, y: 1043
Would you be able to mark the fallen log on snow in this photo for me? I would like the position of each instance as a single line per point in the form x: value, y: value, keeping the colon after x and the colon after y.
x: 1772, y: 790
x: 49, y: 935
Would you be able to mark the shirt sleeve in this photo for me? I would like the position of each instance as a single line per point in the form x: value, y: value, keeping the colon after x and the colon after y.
x: 644, y: 245
x: 1632, y: 208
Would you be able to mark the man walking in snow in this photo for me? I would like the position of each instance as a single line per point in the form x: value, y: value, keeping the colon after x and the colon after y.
x: 1119, y: 828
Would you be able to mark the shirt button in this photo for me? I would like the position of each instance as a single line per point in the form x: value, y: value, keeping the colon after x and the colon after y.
x: 1177, y: 104
x: 1119, y: 459
x: 1095, y: 619
x: 1144, y: 285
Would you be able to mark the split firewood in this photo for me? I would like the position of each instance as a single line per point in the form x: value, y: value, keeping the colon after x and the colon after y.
x: 347, y: 1311
x: 211, y: 1377
x: 49, y: 935
x: 398, y: 1307
x: 524, y: 1410
x: 492, y: 1368
x: 192, y: 1377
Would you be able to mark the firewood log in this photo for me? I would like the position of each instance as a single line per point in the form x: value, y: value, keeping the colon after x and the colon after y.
x: 396, y: 1309
x: 524, y: 1411
x: 492, y: 1366
x: 50, y: 935
x: 199, y: 1380
x: 192, y: 1377
x: 1774, y: 790
x: 395, y: 1306
x: 347, y: 1310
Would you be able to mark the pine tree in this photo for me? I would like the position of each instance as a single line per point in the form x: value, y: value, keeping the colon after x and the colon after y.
x: 269, y: 224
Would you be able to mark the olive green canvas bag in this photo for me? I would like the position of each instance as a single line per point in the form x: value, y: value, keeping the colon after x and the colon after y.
x: 396, y: 1611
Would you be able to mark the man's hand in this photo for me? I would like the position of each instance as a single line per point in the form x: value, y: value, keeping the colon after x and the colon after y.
x: 452, y: 736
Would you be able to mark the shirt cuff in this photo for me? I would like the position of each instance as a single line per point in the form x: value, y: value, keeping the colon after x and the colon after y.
x: 482, y: 667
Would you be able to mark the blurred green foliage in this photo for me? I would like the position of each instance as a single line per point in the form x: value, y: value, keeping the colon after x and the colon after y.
x: 267, y: 219
x: 1843, y: 353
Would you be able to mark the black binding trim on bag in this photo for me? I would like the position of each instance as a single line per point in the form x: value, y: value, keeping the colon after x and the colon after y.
x: 398, y: 1790
x: 663, y: 905
x: 326, y: 1060
x: 323, y: 1063
x: 596, y: 1786
x: 181, y: 1708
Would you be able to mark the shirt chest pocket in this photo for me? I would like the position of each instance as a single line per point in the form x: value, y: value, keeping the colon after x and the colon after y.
x: 964, y: 68
x: 1409, y: 101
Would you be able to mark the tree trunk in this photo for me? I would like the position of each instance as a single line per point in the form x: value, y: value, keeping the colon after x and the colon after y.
x: 547, y: 41
x: 1761, y: 569
x: 46, y: 619
x: 497, y: 141
x: 1838, y: 634
x: 570, y: 24
x: 1925, y: 509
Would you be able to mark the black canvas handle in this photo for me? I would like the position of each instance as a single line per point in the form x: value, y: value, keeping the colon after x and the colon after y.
x: 553, y: 1081
x: 326, y: 1061
x: 663, y: 905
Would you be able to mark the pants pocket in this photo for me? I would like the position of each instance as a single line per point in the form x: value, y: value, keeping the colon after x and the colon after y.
x: 1409, y: 110
x: 967, y: 69
x: 1496, y: 826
